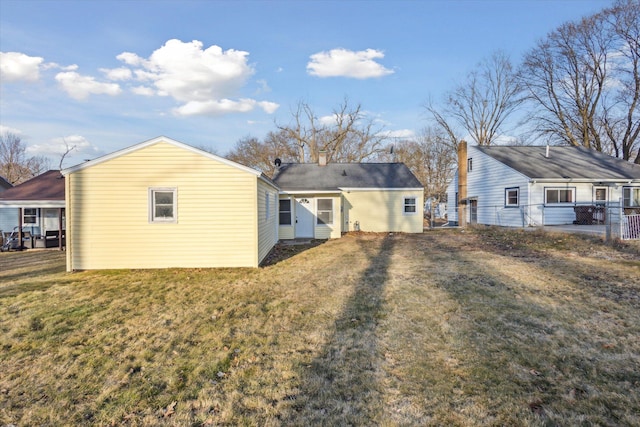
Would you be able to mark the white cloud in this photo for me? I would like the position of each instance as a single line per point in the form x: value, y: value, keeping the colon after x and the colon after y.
x: 6, y: 129
x: 16, y: 66
x: 143, y: 90
x: 347, y: 63
x: 80, y: 87
x: 121, y: 73
x: 56, y: 147
x: 399, y: 133
x: 223, y: 106
x: 205, y: 81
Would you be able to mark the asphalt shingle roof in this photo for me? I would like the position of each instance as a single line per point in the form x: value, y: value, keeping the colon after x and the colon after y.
x: 333, y: 176
x: 562, y: 163
x: 48, y: 186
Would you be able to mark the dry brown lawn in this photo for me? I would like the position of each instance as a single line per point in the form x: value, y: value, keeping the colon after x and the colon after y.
x: 478, y: 327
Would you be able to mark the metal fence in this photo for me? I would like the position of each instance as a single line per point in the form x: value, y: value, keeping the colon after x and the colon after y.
x: 609, y: 220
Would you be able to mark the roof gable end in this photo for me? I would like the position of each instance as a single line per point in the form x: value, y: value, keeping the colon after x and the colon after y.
x: 157, y: 140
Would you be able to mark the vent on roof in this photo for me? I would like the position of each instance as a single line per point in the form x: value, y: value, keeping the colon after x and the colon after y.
x: 344, y: 172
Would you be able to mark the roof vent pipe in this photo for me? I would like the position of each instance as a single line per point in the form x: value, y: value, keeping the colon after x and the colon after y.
x: 546, y: 154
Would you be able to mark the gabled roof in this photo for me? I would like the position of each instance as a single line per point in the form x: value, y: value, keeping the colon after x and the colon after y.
x: 337, y: 176
x: 46, y: 190
x: 153, y: 141
x: 563, y: 163
x: 4, y: 184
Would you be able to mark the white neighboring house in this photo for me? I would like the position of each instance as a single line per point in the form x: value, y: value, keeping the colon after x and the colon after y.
x: 539, y: 185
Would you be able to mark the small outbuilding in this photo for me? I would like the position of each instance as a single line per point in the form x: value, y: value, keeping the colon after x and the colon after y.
x: 162, y: 203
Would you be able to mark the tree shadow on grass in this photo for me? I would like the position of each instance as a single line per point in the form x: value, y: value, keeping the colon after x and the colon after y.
x: 285, y: 250
x: 340, y: 387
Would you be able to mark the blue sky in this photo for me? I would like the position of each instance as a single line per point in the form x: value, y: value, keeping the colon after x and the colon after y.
x: 103, y: 75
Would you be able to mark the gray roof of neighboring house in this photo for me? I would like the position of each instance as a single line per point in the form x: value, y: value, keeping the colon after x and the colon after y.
x: 563, y: 163
x: 334, y: 176
x: 4, y: 184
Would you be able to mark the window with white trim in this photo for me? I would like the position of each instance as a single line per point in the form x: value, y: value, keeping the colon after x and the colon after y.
x: 631, y: 197
x: 325, y: 211
x: 469, y: 165
x: 163, y: 205
x: 555, y: 196
x: 512, y: 197
x: 410, y: 206
x: 30, y: 216
x: 285, y: 211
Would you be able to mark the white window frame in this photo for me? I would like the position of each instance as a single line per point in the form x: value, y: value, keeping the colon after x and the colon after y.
x: 405, y: 205
x: 318, y: 210
x: 290, y: 211
x: 506, y: 197
x: 627, y: 199
x: 35, y: 216
x: 572, y: 191
x: 152, y: 205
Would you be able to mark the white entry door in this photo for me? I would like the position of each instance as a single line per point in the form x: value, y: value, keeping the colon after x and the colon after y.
x: 304, y: 217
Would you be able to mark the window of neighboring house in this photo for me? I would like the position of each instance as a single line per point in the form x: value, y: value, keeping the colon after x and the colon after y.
x: 163, y: 205
x: 512, y: 196
x: 600, y: 196
x: 456, y: 201
x: 469, y: 165
x: 409, y: 206
x: 559, y: 195
x: 631, y: 197
x: 285, y: 212
x: 325, y: 211
x: 30, y: 216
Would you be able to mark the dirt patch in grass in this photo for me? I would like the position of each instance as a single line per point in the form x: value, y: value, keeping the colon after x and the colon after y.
x: 478, y: 327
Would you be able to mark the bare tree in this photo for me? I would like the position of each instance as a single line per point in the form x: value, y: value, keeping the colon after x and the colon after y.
x: 67, y: 150
x: 621, y: 115
x: 583, y: 81
x: 261, y: 155
x: 481, y: 105
x: 346, y: 135
x: 15, y: 166
x: 430, y: 157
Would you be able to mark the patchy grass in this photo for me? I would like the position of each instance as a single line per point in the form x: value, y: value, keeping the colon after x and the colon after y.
x: 478, y: 327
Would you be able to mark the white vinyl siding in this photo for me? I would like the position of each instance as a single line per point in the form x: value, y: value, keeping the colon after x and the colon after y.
x: 487, y: 182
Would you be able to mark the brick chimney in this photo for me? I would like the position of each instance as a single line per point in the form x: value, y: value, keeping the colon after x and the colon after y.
x: 462, y: 183
x: 322, y: 158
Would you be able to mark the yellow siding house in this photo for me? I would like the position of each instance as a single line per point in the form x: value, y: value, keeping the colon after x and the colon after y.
x: 162, y: 203
x: 324, y: 200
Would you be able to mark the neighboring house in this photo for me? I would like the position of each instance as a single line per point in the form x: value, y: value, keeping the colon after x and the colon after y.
x: 6, y: 214
x: 4, y: 184
x: 324, y: 200
x: 162, y: 203
x: 538, y: 185
x: 36, y: 206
